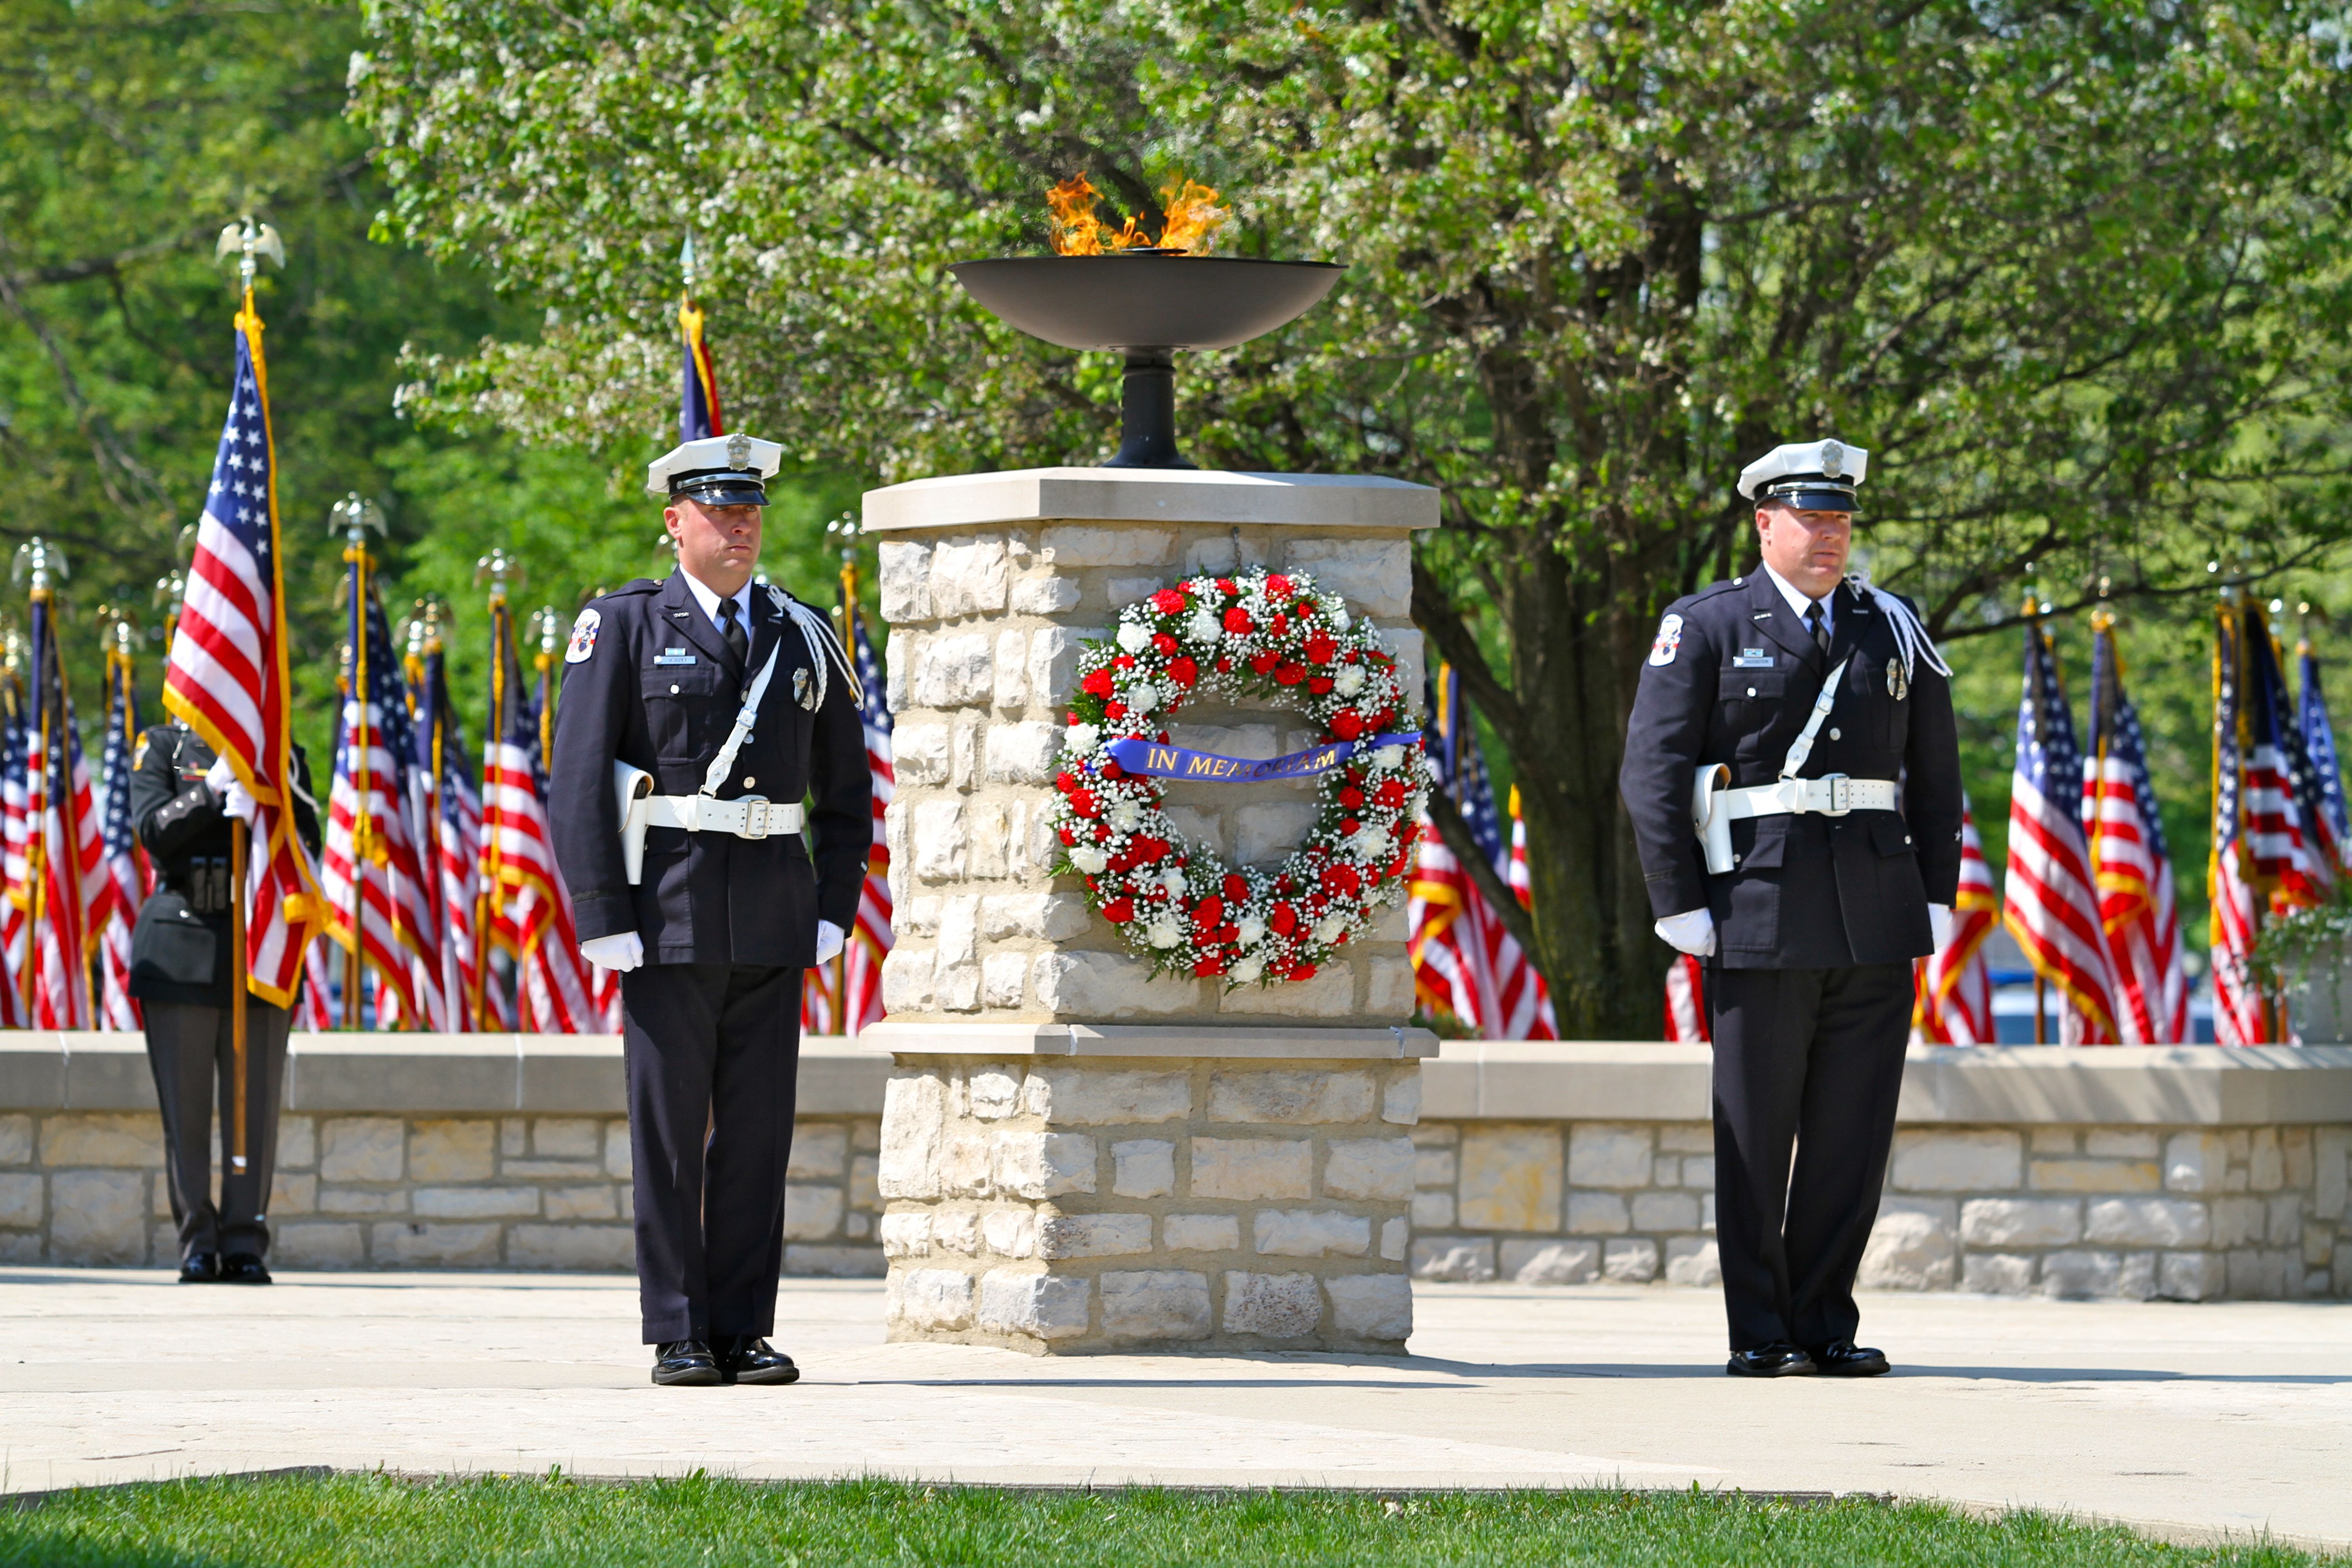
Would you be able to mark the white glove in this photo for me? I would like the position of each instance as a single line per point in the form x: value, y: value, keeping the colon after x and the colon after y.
x: 1693, y: 932
x: 222, y: 780
x: 620, y: 953
x: 219, y: 776
x: 1939, y: 920
x: 829, y: 939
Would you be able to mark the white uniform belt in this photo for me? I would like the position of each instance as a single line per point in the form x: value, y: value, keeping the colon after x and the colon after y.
x: 1832, y: 796
x: 750, y: 817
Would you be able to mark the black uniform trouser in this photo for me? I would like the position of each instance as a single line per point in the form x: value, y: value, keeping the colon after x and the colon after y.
x: 1812, y: 1058
x: 189, y: 1049
x: 713, y: 1056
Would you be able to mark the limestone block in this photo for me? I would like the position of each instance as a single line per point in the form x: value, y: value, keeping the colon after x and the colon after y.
x: 2020, y: 1222
x: 1123, y: 591
x: 812, y: 1213
x: 514, y: 1137
x: 317, y: 1246
x: 2052, y: 1141
x: 930, y: 1298
x: 604, y: 1248
x: 914, y: 1114
x: 919, y: 753
x: 620, y: 1161
x: 1299, y: 1097
x: 2191, y: 1276
x: 412, y: 1245
x: 1391, y: 992
x: 1371, y: 1306
x: 16, y: 1139
x: 1050, y: 1307
x: 297, y: 1142
x: 363, y: 1199
x: 1331, y: 993
x: 458, y: 1151
x: 557, y: 1137
x: 83, y: 1138
x: 2287, y: 1217
x: 1022, y: 753
x: 1089, y: 1096
x: 2137, y: 1280
x: 963, y: 755
x: 1373, y: 1170
x: 1051, y: 917
x: 1252, y: 1168
x: 1997, y: 1273
x: 1311, y: 1233
x: 1698, y: 1172
x: 1973, y: 1161
x: 1054, y: 663
x: 1433, y: 1211
x: 835, y: 1262
x: 994, y: 1091
x: 955, y: 987
x: 21, y: 1192
x: 2119, y: 1143
x: 1375, y: 578
x: 1143, y: 1168
x: 2331, y: 1157
x: 2266, y: 1166
x: 1602, y: 1155
x: 566, y: 1170
x: 1691, y: 1260
x: 819, y: 1149
x: 906, y: 582
x: 1436, y: 1135
x: 1093, y: 1234
x: 2238, y: 1220
x: 2196, y: 1162
x: 994, y: 837
x: 1044, y: 595
x: 361, y: 1149
x: 476, y: 1203
x: 956, y: 1231
x: 1267, y: 832
x: 1909, y: 1250
x: 1274, y: 1306
x: 959, y: 929
x: 899, y: 658
x: 968, y: 577
x: 1598, y: 1214
x: 25, y: 1246
x: 581, y: 1203
x: 1105, y: 986
x: 1010, y: 1232
x: 1462, y: 1258
x: 2075, y: 1274
x: 1155, y: 1304
x: 1045, y: 1164
x: 2094, y: 1175
x: 98, y: 1217
x: 1395, y: 1234
x: 1661, y: 1211
x: 1630, y: 1262
x: 2295, y: 1142
x: 1511, y: 1178
x: 907, y: 979
x: 1433, y: 1167
x: 1200, y: 1231
x: 2257, y: 1275
x: 954, y: 671
x: 1401, y: 1101
x: 1067, y: 545
x: 2148, y: 1222
x: 941, y: 841
x: 1686, y: 1138
x: 965, y: 1161
x: 1550, y: 1262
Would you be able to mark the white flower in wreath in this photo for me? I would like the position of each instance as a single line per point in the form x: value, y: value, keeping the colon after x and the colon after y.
x: 1173, y: 880
x: 1144, y: 698
x: 1251, y: 929
x: 1080, y: 740
x: 1124, y: 816
x: 1388, y: 758
x: 1330, y: 929
x: 1369, y: 843
x: 1337, y: 612
x: 1247, y: 969
x: 1162, y: 933
x: 1204, y: 627
x: 1349, y: 681
x: 1134, y: 638
x: 1088, y: 859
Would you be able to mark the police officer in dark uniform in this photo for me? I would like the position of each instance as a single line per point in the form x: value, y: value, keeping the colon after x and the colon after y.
x: 181, y: 968
x: 698, y: 713
x: 1804, y: 840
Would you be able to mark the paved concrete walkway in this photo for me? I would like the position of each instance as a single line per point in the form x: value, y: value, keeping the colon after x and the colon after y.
x: 2182, y: 1419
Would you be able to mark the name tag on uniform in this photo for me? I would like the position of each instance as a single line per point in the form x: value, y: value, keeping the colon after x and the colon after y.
x: 674, y: 656
x: 1753, y: 658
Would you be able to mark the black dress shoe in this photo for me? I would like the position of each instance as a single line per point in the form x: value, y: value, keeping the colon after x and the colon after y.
x: 686, y: 1363
x: 244, y: 1268
x: 1779, y: 1359
x: 1843, y: 1357
x: 199, y: 1269
x: 748, y: 1358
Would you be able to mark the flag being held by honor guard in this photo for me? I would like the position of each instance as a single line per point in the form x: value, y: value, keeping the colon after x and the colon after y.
x: 1953, y: 1000
x: 129, y: 877
x: 227, y: 675
x: 2050, y: 903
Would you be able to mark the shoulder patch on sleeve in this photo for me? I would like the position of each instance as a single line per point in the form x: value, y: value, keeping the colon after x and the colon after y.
x: 139, y: 755
x: 584, y: 637
x: 1668, y: 642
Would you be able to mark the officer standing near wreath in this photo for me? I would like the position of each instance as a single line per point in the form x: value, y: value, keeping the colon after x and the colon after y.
x: 698, y: 713
x: 1792, y: 775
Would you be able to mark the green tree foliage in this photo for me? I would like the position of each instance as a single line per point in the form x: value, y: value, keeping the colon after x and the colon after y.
x: 2071, y: 268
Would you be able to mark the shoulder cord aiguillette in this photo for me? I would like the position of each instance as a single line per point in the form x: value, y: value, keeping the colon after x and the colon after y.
x: 824, y: 649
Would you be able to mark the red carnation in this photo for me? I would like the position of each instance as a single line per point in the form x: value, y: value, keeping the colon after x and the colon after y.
x: 1123, y: 862
x: 1124, y: 661
x: 1066, y: 836
x: 1167, y: 600
x: 1237, y: 621
x: 1183, y: 671
x: 1111, y: 770
x: 1209, y: 966
x: 1278, y: 587
x: 1285, y: 920
x: 1390, y: 794
x: 1236, y: 890
x: 1302, y: 972
x: 1261, y: 662
x: 1097, y: 683
x: 1225, y: 586
x: 1119, y: 912
x: 1290, y: 674
x: 1352, y: 797
x: 1163, y: 644
x: 1346, y: 724
x: 1229, y: 933
x: 1341, y: 879
x: 1210, y: 913
x: 1320, y: 685
x: 1320, y: 648
x: 1225, y: 666
x: 1065, y: 783
x: 1349, y: 825
x: 1082, y: 801
x: 1281, y: 624
x: 1284, y: 886
x: 1114, y: 710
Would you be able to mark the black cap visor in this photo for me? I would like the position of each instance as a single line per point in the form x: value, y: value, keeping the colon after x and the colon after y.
x: 1809, y: 495
x: 719, y: 486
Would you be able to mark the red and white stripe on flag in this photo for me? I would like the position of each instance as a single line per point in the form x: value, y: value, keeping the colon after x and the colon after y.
x: 530, y: 916
x: 1464, y: 960
x: 1952, y: 999
x: 2139, y: 910
x: 370, y: 857
x: 69, y: 884
x: 16, y: 871
x: 1685, y: 1001
x: 2049, y: 902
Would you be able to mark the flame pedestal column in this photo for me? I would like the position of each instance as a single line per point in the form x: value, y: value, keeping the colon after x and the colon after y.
x: 1078, y: 1157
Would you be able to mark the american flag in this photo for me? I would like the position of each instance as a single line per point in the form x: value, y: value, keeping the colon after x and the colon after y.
x: 2287, y: 862
x: 15, y: 864
x: 1685, y: 1001
x: 129, y: 877
x: 370, y: 867
x: 529, y: 914
x: 2051, y: 905
x: 456, y: 816
x: 2324, y: 803
x: 68, y: 882
x: 2138, y: 905
x: 869, y: 941
x: 227, y: 674
x: 1952, y: 989
x: 1464, y: 960
x: 2239, y: 1016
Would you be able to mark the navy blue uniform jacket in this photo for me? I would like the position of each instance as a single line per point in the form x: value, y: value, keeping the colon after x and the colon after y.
x: 707, y: 897
x: 1736, y: 687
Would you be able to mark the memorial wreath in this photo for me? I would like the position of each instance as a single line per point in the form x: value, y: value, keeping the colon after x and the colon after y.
x: 1257, y: 636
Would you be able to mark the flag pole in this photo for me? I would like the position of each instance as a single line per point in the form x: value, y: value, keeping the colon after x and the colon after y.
x: 499, y: 568
x: 353, y: 517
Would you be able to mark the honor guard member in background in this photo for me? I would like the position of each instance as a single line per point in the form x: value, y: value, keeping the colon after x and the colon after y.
x: 181, y: 967
x: 1792, y: 775
x: 713, y: 705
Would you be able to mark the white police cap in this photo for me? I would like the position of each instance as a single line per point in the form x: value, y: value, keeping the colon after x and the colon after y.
x: 1812, y: 476
x: 722, y: 471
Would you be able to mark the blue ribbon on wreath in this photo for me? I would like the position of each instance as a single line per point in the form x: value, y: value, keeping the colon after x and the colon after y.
x: 1157, y: 759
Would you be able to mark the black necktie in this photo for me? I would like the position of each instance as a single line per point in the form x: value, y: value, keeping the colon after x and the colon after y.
x: 1813, y: 623
x: 730, y: 626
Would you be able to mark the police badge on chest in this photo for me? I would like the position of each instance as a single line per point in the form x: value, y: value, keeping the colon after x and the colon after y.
x: 1898, y: 685
x: 803, y: 689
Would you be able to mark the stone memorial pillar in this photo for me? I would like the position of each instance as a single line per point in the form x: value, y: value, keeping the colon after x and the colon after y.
x: 1078, y: 1157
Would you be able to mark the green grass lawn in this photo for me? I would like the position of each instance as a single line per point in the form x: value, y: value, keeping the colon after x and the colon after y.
x: 384, y: 1519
